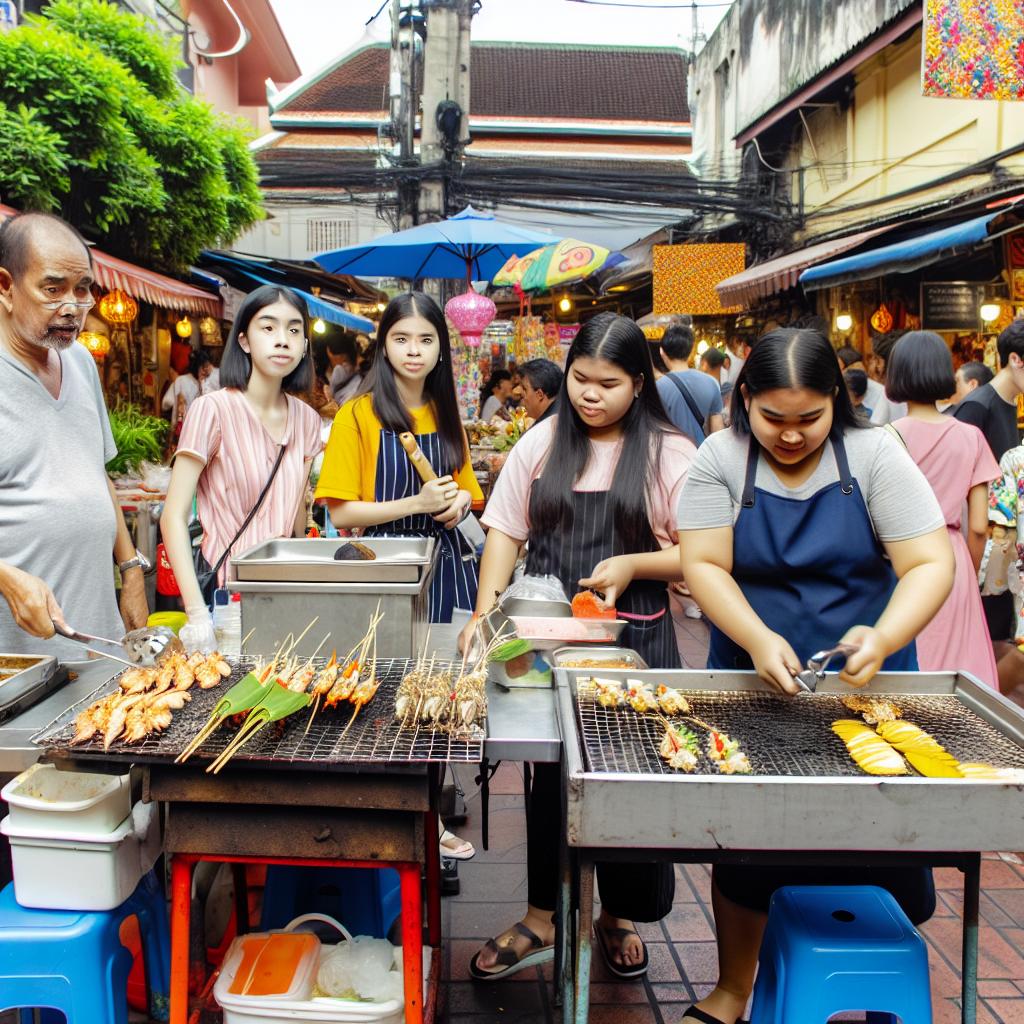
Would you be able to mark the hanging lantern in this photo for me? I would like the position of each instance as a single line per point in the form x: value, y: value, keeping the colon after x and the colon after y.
x: 209, y: 328
x: 183, y: 328
x: 97, y: 344
x: 470, y: 313
x: 118, y: 307
x: 881, y: 319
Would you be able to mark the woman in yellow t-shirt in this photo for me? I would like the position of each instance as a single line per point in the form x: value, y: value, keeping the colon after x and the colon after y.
x: 368, y: 480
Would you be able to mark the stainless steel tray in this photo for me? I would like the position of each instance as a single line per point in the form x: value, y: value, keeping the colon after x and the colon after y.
x: 601, y: 631
x: 298, y: 560
x: 566, y: 654
x: 20, y: 673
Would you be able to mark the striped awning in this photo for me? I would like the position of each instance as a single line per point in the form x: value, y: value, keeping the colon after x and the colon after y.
x: 147, y: 285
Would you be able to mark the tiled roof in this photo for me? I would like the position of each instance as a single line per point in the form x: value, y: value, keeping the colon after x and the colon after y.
x: 524, y: 80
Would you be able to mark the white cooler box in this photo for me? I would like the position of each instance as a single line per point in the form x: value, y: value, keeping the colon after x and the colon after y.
x: 55, y: 870
x: 43, y: 799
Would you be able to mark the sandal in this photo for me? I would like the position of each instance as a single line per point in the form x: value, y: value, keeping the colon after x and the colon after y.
x: 618, y: 969
x: 465, y: 852
x: 507, y: 958
x: 696, y: 1013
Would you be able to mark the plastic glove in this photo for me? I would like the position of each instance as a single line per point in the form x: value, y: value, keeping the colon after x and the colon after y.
x: 197, y: 634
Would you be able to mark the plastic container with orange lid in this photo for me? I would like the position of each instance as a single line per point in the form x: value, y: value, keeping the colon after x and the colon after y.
x: 280, y: 964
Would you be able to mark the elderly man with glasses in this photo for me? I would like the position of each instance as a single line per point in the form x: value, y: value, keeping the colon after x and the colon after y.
x: 61, y: 527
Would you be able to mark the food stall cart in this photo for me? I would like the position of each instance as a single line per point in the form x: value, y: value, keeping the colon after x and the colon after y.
x: 805, y: 801
x: 365, y: 798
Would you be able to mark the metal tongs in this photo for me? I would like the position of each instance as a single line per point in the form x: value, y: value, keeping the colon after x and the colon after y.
x: 142, y: 647
x: 809, y: 678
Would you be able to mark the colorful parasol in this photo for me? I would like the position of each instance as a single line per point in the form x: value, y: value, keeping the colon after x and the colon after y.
x: 555, y: 265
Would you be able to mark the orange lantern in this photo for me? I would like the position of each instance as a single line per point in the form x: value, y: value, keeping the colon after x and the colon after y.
x: 881, y: 319
x: 118, y: 307
x: 97, y: 344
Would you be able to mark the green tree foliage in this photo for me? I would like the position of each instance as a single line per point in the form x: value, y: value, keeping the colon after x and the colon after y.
x: 94, y: 126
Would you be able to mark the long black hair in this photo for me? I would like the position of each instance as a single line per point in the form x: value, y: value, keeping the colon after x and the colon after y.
x: 618, y: 340
x: 438, y: 388
x: 794, y: 358
x: 236, y: 363
x: 492, y: 382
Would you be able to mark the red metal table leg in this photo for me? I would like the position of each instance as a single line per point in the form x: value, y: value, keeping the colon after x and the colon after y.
x: 433, y: 880
x: 181, y: 905
x: 412, y: 941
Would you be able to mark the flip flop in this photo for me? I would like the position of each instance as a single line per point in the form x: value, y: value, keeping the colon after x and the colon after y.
x: 465, y: 854
x: 506, y: 957
x: 620, y: 970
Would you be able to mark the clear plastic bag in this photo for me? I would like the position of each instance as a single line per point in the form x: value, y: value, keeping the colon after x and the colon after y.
x: 535, y: 588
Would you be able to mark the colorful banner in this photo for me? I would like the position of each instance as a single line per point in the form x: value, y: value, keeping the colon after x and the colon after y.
x: 685, y: 276
x: 973, y: 49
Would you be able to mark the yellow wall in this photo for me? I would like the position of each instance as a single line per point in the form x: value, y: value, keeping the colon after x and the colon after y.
x: 896, y: 138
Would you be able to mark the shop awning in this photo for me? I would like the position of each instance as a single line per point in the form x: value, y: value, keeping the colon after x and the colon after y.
x: 148, y: 285
x: 910, y: 254
x: 247, y: 271
x: 764, y: 279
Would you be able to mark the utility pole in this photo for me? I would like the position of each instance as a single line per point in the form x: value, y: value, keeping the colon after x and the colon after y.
x: 403, y: 106
x: 445, y: 118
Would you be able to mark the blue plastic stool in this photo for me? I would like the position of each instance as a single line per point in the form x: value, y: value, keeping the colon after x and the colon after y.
x: 73, y: 960
x: 365, y: 900
x: 829, y: 949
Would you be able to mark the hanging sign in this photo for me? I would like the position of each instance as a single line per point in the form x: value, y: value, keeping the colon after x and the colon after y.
x: 950, y: 305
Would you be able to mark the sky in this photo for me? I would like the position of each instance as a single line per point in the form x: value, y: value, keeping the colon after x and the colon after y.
x: 319, y: 30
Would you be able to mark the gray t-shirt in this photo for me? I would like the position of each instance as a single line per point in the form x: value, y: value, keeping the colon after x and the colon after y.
x: 56, y: 517
x: 706, y: 395
x: 899, y: 498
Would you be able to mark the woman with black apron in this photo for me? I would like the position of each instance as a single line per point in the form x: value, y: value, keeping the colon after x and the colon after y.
x: 593, y: 491
x: 368, y: 480
x: 801, y: 527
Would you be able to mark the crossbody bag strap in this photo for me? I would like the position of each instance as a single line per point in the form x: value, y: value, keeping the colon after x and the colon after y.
x: 255, y: 509
x: 694, y: 408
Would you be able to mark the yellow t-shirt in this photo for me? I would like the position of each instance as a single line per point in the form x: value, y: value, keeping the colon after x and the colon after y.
x: 349, y: 471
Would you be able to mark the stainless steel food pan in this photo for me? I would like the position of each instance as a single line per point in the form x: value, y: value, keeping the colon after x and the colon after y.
x: 596, y: 654
x: 298, y: 560
x: 20, y: 673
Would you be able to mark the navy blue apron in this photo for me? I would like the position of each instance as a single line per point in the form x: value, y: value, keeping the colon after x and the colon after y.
x: 455, y: 577
x: 811, y: 568
x: 572, y: 555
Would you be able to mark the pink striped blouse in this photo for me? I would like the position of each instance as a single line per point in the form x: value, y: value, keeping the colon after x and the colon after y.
x: 223, y: 431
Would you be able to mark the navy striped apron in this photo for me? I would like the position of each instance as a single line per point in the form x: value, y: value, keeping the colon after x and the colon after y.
x: 455, y: 576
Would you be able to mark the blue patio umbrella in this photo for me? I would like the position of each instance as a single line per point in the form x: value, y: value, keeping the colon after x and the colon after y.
x: 471, y: 243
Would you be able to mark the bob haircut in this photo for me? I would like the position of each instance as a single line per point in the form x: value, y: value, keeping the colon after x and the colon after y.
x: 793, y: 358
x: 438, y: 388
x: 920, y: 369
x: 236, y: 364
x: 619, y: 341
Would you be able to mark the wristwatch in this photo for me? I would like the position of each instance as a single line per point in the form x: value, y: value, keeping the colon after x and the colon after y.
x: 140, y: 561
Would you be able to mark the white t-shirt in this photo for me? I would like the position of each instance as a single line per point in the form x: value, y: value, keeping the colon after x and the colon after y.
x: 184, y: 384
x: 883, y: 409
x: 56, y: 517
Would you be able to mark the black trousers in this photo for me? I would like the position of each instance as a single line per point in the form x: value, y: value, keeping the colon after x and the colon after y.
x: 636, y: 892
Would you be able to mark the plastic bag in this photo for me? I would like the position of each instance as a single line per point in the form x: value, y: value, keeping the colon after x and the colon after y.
x: 535, y: 588
x: 361, y: 969
x: 155, y: 477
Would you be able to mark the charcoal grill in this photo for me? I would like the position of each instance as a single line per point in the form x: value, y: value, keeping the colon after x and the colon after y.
x: 374, y: 739
x: 805, y: 802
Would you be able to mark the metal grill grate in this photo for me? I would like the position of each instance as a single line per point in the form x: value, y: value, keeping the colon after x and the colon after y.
x: 781, y: 736
x: 374, y: 737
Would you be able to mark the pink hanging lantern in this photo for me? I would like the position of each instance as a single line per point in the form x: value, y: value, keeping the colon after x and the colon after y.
x: 471, y: 313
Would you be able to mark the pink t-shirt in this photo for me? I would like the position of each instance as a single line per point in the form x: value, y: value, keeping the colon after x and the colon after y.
x: 508, y: 508
x: 222, y: 430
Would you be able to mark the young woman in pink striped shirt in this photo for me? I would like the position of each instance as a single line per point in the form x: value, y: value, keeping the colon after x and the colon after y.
x: 230, y: 443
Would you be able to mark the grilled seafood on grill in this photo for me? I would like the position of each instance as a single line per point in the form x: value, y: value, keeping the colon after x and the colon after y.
x: 640, y: 697
x: 672, y: 702
x: 726, y: 754
x: 144, y: 701
x: 872, y: 709
x: 679, y: 747
x: 868, y: 749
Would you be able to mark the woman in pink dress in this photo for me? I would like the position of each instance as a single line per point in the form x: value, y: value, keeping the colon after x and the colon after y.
x: 959, y: 465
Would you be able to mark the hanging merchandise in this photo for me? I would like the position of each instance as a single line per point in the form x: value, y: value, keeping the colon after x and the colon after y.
x: 470, y: 313
x: 881, y: 319
x: 468, y: 379
x: 529, y: 342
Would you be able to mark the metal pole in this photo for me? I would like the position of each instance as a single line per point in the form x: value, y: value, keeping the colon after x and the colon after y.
x: 969, y: 966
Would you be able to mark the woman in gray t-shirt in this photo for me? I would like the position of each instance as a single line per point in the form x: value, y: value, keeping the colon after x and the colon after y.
x: 801, y: 527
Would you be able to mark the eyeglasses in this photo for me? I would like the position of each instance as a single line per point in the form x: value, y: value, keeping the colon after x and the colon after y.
x: 77, y: 303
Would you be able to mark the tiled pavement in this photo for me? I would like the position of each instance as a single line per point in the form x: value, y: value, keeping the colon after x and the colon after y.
x: 682, y: 950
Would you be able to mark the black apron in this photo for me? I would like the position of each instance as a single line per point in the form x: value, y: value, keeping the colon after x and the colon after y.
x: 571, y: 556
